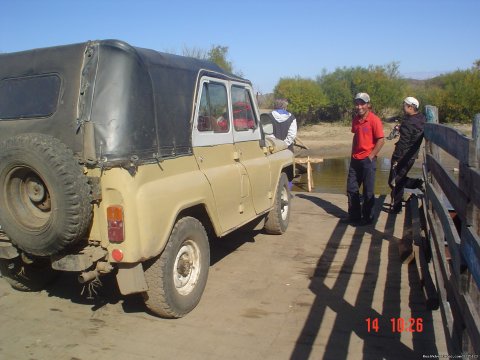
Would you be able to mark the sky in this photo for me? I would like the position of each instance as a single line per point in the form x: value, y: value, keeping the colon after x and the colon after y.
x: 267, y: 40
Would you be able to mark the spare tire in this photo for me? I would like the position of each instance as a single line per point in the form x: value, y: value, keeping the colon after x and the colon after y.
x: 44, y: 195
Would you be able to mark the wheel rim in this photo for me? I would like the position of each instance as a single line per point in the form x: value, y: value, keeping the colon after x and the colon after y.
x: 187, y: 267
x: 28, y: 198
x: 284, y: 203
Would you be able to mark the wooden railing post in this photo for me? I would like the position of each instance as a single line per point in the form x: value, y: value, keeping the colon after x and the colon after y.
x: 476, y: 138
x: 475, y: 215
x: 431, y: 113
x: 466, y: 182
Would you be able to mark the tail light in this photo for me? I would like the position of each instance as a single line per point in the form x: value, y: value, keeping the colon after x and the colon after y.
x: 115, y: 224
x: 117, y: 255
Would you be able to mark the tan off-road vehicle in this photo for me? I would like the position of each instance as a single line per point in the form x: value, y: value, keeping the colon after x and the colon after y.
x: 120, y: 159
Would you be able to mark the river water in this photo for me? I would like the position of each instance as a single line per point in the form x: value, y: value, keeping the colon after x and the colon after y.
x: 331, y: 176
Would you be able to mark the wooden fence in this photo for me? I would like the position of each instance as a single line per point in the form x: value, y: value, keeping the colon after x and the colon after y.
x: 452, y: 221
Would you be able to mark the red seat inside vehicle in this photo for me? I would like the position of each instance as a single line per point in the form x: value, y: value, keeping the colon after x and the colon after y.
x: 243, y: 116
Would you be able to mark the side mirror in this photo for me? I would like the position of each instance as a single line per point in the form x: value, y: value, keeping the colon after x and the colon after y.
x: 266, y: 123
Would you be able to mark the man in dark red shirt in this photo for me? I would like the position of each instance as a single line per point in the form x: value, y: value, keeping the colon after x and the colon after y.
x: 368, y: 139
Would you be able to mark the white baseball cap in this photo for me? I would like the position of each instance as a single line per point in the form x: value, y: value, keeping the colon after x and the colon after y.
x: 411, y: 101
x: 363, y: 96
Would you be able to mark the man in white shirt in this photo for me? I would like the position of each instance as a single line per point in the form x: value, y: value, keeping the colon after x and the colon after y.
x: 284, y: 123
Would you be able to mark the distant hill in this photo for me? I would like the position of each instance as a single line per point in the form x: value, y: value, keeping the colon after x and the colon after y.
x: 415, y: 82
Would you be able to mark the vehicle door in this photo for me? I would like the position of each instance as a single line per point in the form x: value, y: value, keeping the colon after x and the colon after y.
x: 217, y: 157
x: 247, y: 136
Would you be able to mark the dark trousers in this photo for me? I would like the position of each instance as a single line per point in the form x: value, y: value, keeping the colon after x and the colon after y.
x: 399, y: 173
x: 361, y: 173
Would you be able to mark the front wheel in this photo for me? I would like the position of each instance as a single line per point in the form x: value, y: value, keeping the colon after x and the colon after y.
x: 278, y: 218
x: 177, y: 278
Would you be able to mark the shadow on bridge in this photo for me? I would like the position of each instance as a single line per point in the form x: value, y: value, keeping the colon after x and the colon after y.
x: 350, y: 323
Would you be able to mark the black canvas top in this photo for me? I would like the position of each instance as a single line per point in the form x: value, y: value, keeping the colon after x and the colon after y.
x: 140, y: 101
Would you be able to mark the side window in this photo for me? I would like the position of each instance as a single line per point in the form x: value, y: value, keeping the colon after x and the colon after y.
x: 243, y: 116
x: 29, y: 97
x: 213, y: 110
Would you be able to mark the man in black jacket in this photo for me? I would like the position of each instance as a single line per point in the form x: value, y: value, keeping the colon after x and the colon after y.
x: 405, y: 153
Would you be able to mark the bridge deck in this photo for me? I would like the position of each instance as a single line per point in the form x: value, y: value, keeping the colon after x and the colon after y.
x: 357, y: 274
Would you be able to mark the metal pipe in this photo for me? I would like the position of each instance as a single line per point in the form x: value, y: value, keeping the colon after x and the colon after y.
x: 104, y: 267
x: 87, y: 276
x: 101, y: 268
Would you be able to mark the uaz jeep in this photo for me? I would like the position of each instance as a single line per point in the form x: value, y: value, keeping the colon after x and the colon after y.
x: 121, y: 159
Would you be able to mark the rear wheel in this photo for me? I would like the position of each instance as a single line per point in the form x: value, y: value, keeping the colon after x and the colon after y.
x: 177, y: 278
x: 26, y: 274
x: 278, y: 218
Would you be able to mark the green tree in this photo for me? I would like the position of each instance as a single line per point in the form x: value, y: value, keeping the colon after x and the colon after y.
x: 337, y: 87
x: 456, y: 94
x: 461, y: 97
x: 304, y: 95
x: 476, y: 64
x: 382, y: 83
x: 194, y: 52
x: 217, y: 54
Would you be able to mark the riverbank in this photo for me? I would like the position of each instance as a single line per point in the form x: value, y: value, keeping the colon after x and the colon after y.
x: 327, y: 140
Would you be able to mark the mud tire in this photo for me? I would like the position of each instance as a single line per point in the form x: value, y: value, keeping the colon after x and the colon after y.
x: 177, y: 277
x: 44, y: 195
x: 278, y: 218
